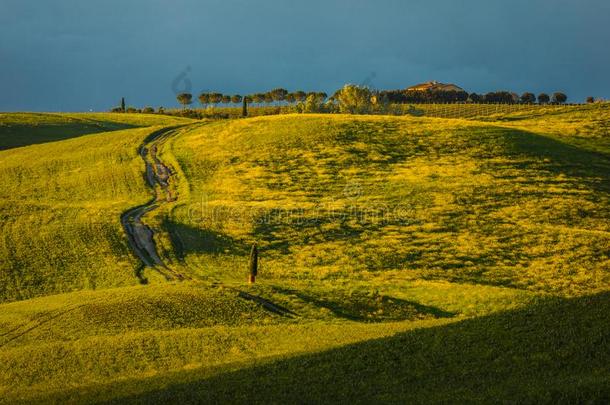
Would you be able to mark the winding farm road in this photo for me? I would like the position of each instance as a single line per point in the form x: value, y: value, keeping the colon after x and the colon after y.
x: 141, y: 236
x: 158, y: 175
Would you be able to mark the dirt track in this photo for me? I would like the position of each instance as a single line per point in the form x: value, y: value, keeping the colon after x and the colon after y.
x: 158, y: 176
x: 141, y: 236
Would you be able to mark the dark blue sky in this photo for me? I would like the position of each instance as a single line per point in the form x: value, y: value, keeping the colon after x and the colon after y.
x: 78, y: 55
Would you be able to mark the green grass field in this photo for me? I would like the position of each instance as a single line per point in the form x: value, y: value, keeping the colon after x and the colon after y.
x: 394, y: 199
x: 59, y: 206
x: 407, y: 259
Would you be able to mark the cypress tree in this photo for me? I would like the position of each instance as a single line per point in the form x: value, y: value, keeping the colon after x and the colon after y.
x: 123, y: 104
x: 244, y: 107
x: 253, y: 264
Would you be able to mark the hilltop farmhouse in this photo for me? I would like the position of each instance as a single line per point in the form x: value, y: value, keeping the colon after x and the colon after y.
x: 434, y: 86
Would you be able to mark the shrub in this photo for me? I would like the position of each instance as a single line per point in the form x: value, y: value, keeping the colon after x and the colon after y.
x: 475, y: 98
x: 253, y: 265
x: 354, y: 99
x: 380, y: 103
x: 278, y: 94
x: 244, y: 107
x: 313, y: 103
x: 300, y: 95
x: 204, y: 99
x: 148, y: 110
x: 258, y: 98
x: 503, y: 97
x: 190, y: 114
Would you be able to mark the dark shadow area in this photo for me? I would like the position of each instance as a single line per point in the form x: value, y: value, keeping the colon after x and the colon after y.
x: 552, y: 352
x: 17, y: 135
x: 296, y: 230
x: 140, y: 274
x: 267, y: 304
x: 187, y: 239
x: 361, y: 307
x: 306, y: 227
x: 552, y: 155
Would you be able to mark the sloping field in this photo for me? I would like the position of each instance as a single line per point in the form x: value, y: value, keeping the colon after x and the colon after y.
x: 78, y: 341
x: 403, y: 259
x: 200, y: 343
x: 555, y: 352
x: 60, y: 205
x: 391, y: 199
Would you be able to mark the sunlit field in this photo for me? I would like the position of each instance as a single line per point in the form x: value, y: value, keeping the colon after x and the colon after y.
x: 339, y: 198
x: 402, y: 258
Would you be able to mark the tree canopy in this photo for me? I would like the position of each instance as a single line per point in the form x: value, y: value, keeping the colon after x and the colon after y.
x: 184, y: 99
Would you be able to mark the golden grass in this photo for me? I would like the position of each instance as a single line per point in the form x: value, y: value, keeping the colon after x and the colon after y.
x: 344, y: 197
x: 381, y: 235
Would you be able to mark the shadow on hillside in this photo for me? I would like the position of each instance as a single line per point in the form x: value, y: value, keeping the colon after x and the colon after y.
x: 320, y: 228
x: 313, y: 226
x: 186, y: 239
x: 554, y: 352
x: 591, y: 168
x: 15, y: 136
x: 365, y: 308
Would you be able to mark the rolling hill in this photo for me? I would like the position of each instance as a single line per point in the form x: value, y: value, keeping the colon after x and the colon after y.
x: 403, y: 259
x: 59, y: 206
x: 393, y: 199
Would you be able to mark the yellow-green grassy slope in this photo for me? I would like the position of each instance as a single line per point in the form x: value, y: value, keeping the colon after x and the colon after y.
x: 70, y: 343
x: 368, y: 227
x: 385, y: 200
x: 60, y: 207
x: 196, y: 343
x: 553, y: 352
x: 587, y: 126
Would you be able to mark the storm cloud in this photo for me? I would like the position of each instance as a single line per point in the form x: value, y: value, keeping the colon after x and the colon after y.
x: 69, y: 55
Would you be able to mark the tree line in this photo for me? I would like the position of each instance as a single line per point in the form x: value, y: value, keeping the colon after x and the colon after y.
x: 276, y: 96
x: 441, y: 96
x: 300, y: 101
x: 282, y: 96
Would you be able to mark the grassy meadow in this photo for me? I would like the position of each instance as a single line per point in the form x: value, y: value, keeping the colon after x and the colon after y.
x: 59, y: 209
x: 411, y: 259
x: 554, y: 352
x: 393, y: 199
